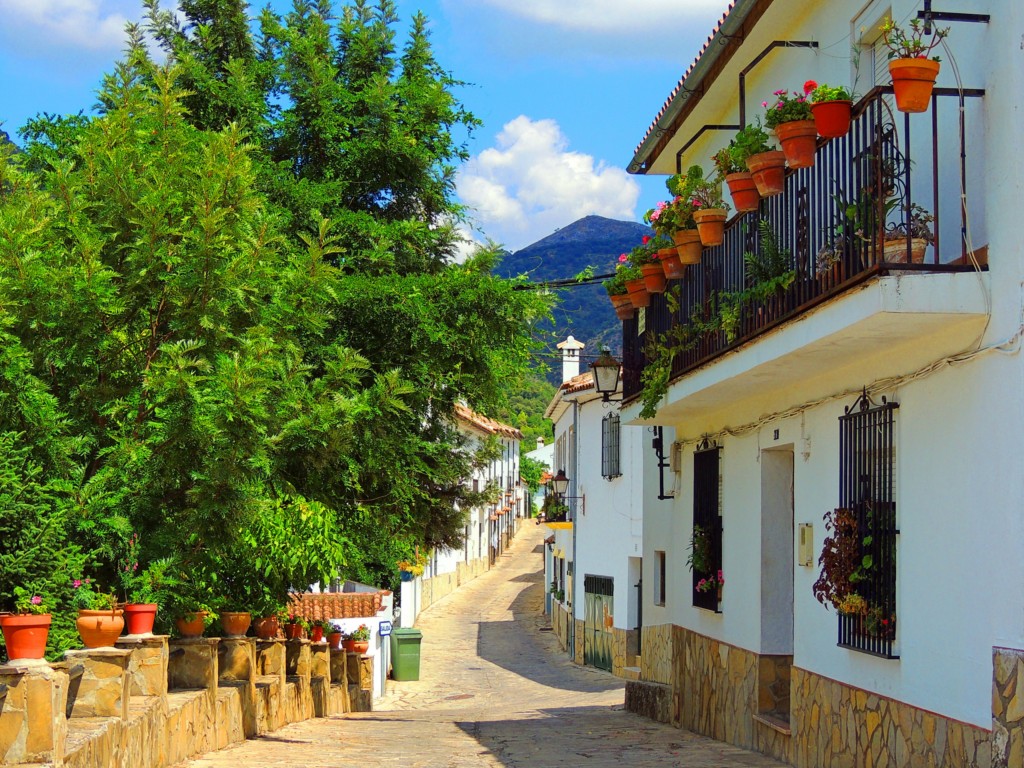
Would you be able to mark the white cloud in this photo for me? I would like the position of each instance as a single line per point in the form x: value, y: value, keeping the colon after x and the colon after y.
x: 48, y: 27
x: 612, y: 15
x: 529, y: 184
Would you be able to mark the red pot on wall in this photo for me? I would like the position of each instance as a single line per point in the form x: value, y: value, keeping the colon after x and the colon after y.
x: 744, y: 192
x: 769, y: 172
x: 623, y: 306
x: 267, y: 627
x: 360, y: 646
x: 25, y: 634
x: 191, y: 626
x: 236, y: 623
x: 654, y: 278
x: 318, y: 634
x: 140, y: 617
x: 293, y: 631
x: 334, y: 640
x: 710, y: 225
x: 638, y: 293
x: 674, y: 269
x: 99, y: 629
x: 687, y: 245
x: 832, y: 118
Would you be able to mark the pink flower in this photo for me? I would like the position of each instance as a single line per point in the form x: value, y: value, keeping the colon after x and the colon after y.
x: 661, y: 206
x: 655, y: 214
x: 779, y: 105
x: 88, y: 581
x: 695, y: 203
x: 77, y: 583
x: 780, y: 92
x: 36, y: 600
x: 622, y: 258
x: 764, y: 103
x: 645, y: 239
x: 809, y: 86
x: 135, y: 567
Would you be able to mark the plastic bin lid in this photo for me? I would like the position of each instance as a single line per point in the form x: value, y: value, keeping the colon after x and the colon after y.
x: 406, y: 632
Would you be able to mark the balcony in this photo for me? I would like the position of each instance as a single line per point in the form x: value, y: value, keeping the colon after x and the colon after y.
x: 871, y: 302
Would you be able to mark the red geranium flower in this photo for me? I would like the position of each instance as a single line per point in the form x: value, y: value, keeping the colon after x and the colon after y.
x: 809, y: 86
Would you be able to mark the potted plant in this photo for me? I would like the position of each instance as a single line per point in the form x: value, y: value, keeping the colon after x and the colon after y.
x: 686, y: 237
x: 295, y: 626
x: 410, y: 569
x: 100, y: 621
x: 791, y: 118
x: 359, y: 639
x: 320, y: 629
x: 709, y: 209
x: 26, y: 630
x: 144, y: 590
x: 645, y: 257
x: 828, y: 262
x: 190, y: 607
x: 668, y: 256
x: 616, y: 288
x: 840, y: 561
x: 334, y: 638
x: 915, y: 228
x: 235, y: 623
x: 767, y: 165
x: 699, y: 559
x: 732, y: 168
x: 633, y: 279
x: 913, y: 72
x: 715, y: 582
x: 832, y: 107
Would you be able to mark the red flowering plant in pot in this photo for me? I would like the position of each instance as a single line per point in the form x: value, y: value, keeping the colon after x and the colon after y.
x: 790, y: 116
x: 633, y: 278
x: 358, y: 640
x: 645, y: 256
x: 616, y: 288
x: 766, y: 164
x: 832, y: 107
x: 709, y: 209
x: 26, y: 630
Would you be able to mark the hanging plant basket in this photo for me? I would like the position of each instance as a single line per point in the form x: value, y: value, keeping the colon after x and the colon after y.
x: 654, y: 278
x: 638, y: 294
x: 769, y: 172
x: 710, y: 225
x: 745, y: 196
x: 913, y: 81
x: 673, y: 268
x: 687, y: 245
x: 623, y: 306
x: 799, y: 140
x: 832, y: 118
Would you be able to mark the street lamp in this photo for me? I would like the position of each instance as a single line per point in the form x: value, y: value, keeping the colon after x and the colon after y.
x: 606, y: 374
x: 560, y: 483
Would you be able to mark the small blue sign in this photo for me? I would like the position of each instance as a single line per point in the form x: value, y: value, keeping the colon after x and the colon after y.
x: 385, y: 628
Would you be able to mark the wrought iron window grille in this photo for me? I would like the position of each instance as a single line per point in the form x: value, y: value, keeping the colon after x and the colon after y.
x: 610, y: 446
x: 867, y: 463
x: 707, y: 522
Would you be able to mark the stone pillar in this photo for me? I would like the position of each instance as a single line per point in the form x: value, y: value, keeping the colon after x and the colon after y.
x: 360, y: 677
x: 193, y: 664
x: 148, y: 666
x: 237, y: 668
x: 33, y: 727
x: 271, y: 659
x: 339, y: 677
x: 299, y: 661
x: 320, y: 679
x: 1007, y: 707
x: 104, y: 687
x: 271, y: 664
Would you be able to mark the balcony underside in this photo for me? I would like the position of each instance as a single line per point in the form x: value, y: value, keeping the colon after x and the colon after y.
x: 887, y: 326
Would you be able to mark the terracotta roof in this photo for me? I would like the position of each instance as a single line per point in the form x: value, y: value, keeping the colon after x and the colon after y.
x: 336, y: 605
x: 682, y: 81
x: 485, y: 424
x: 544, y: 477
x: 578, y: 383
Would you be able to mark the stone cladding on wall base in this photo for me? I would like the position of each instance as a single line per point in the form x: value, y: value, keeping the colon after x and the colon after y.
x: 1007, y: 707
x: 652, y: 700
x: 579, y: 638
x: 151, y: 704
x: 656, y: 653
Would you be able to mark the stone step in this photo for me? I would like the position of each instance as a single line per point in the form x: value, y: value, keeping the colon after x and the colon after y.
x: 777, y: 721
x: 631, y: 673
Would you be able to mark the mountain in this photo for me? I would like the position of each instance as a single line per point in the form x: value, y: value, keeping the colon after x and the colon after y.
x: 583, y: 311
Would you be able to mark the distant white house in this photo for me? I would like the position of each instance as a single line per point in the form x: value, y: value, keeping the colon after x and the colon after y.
x: 870, y: 389
x: 593, y: 562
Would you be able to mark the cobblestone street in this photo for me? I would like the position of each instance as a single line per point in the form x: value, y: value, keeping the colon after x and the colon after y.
x: 494, y: 690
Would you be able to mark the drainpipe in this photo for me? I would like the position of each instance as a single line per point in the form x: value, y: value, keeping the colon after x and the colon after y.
x: 574, y: 492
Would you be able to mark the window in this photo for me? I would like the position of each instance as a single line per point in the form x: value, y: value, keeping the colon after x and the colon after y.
x: 610, y: 446
x: 659, y: 577
x: 867, y: 463
x: 706, y: 542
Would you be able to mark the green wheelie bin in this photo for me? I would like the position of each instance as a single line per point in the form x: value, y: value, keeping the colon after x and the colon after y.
x: 405, y: 654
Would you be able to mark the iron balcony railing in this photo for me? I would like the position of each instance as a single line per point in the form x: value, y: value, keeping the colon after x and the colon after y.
x: 861, y: 187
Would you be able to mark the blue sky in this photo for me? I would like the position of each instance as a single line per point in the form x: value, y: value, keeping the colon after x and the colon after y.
x: 566, y: 89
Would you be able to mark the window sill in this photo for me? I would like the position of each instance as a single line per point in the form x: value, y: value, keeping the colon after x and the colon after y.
x: 877, y: 654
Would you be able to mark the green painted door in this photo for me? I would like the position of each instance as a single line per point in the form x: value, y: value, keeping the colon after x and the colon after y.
x: 597, y: 621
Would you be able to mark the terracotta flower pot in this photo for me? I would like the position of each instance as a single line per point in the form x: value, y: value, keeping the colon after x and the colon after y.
x: 334, y: 640
x: 348, y: 645
x: 710, y: 225
x: 769, y: 172
x: 654, y: 278
x: 623, y: 306
x: 317, y: 634
x: 688, y: 245
x: 896, y: 250
x: 99, y: 629
x: 744, y: 192
x: 266, y: 628
x: 360, y: 646
x: 673, y: 268
x: 236, y: 623
x: 638, y: 294
x: 913, y: 81
x: 832, y: 118
x: 25, y: 635
x: 293, y: 631
x: 193, y: 627
x: 139, y: 618
x: 799, y: 140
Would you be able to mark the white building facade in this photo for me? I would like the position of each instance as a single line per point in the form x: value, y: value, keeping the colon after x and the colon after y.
x: 885, y: 393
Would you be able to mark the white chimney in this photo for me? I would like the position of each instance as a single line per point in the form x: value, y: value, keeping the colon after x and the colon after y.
x: 570, y: 358
x: 540, y: 443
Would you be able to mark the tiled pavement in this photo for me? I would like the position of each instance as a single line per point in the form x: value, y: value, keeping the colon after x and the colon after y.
x: 494, y: 690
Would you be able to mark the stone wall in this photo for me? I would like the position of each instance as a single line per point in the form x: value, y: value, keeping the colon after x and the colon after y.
x: 560, y: 624
x: 656, y: 654
x: 619, y: 658
x: 443, y: 584
x: 1007, y: 708
x: 579, y: 638
x: 651, y: 700
x: 836, y: 725
x: 150, y: 704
